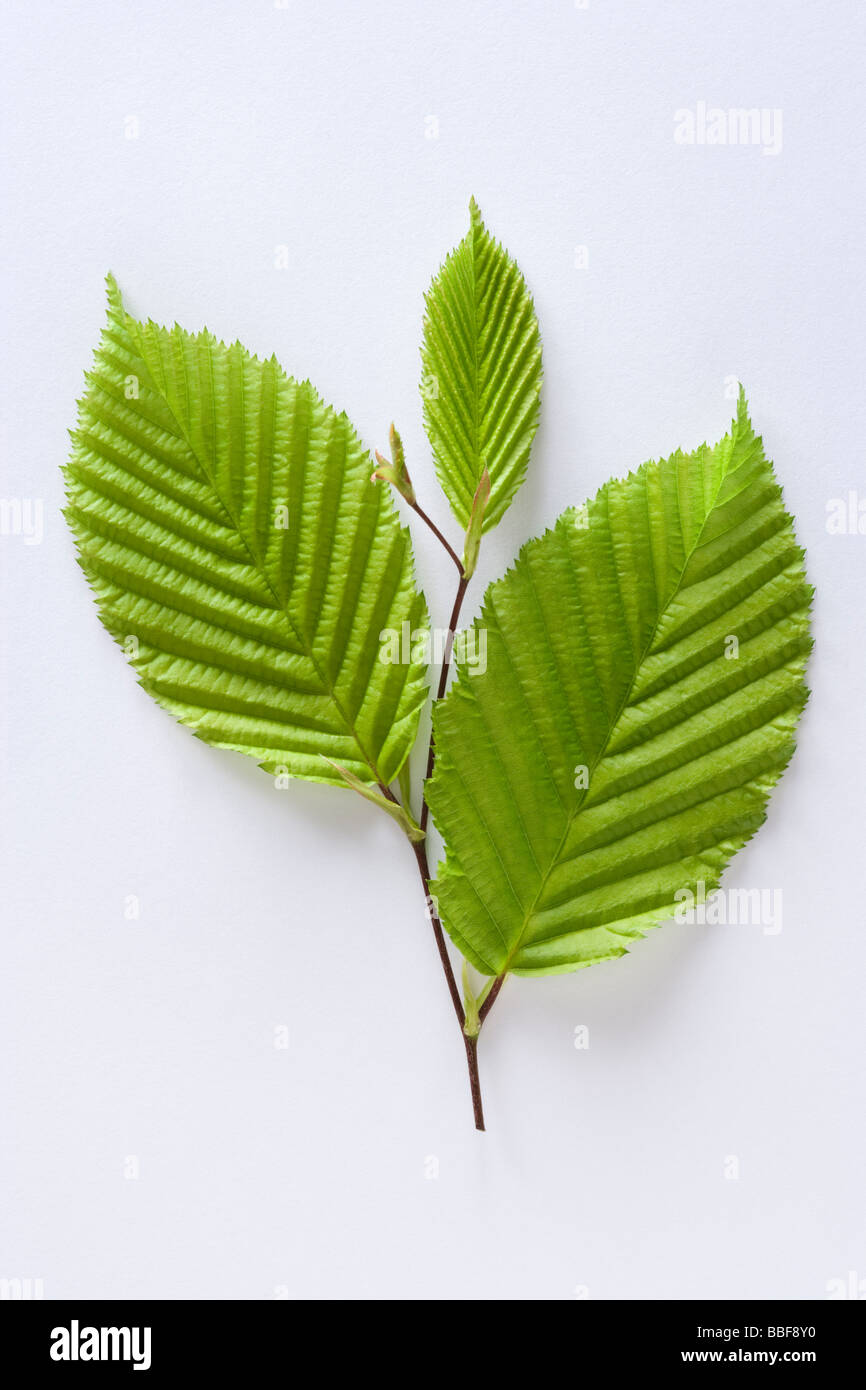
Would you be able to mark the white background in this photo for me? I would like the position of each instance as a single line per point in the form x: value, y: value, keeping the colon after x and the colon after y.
x: 310, y: 1169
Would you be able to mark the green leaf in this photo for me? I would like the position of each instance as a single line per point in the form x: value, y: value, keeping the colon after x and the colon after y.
x: 226, y: 521
x: 609, y: 661
x: 482, y: 373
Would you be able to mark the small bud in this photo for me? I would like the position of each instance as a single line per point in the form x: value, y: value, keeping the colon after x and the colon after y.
x: 396, y: 473
x: 397, y: 453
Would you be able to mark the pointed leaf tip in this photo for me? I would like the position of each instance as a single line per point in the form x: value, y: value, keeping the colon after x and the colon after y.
x: 113, y: 294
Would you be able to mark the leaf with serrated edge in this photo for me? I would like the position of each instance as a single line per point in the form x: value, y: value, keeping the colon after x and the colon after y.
x: 226, y: 521
x: 482, y: 373
x: 606, y: 650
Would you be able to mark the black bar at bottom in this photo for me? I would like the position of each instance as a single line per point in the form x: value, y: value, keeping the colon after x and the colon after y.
x: 154, y: 1338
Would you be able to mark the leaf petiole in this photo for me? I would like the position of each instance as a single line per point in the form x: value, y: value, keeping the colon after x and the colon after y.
x: 389, y: 805
x: 471, y: 1022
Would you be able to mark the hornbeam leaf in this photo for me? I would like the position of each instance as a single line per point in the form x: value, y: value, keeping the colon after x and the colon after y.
x: 644, y: 677
x: 226, y: 521
x: 482, y: 373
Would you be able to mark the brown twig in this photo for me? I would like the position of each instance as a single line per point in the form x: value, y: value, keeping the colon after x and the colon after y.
x: 491, y: 998
x: 443, y: 681
x: 438, y: 534
x: 420, y: 847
